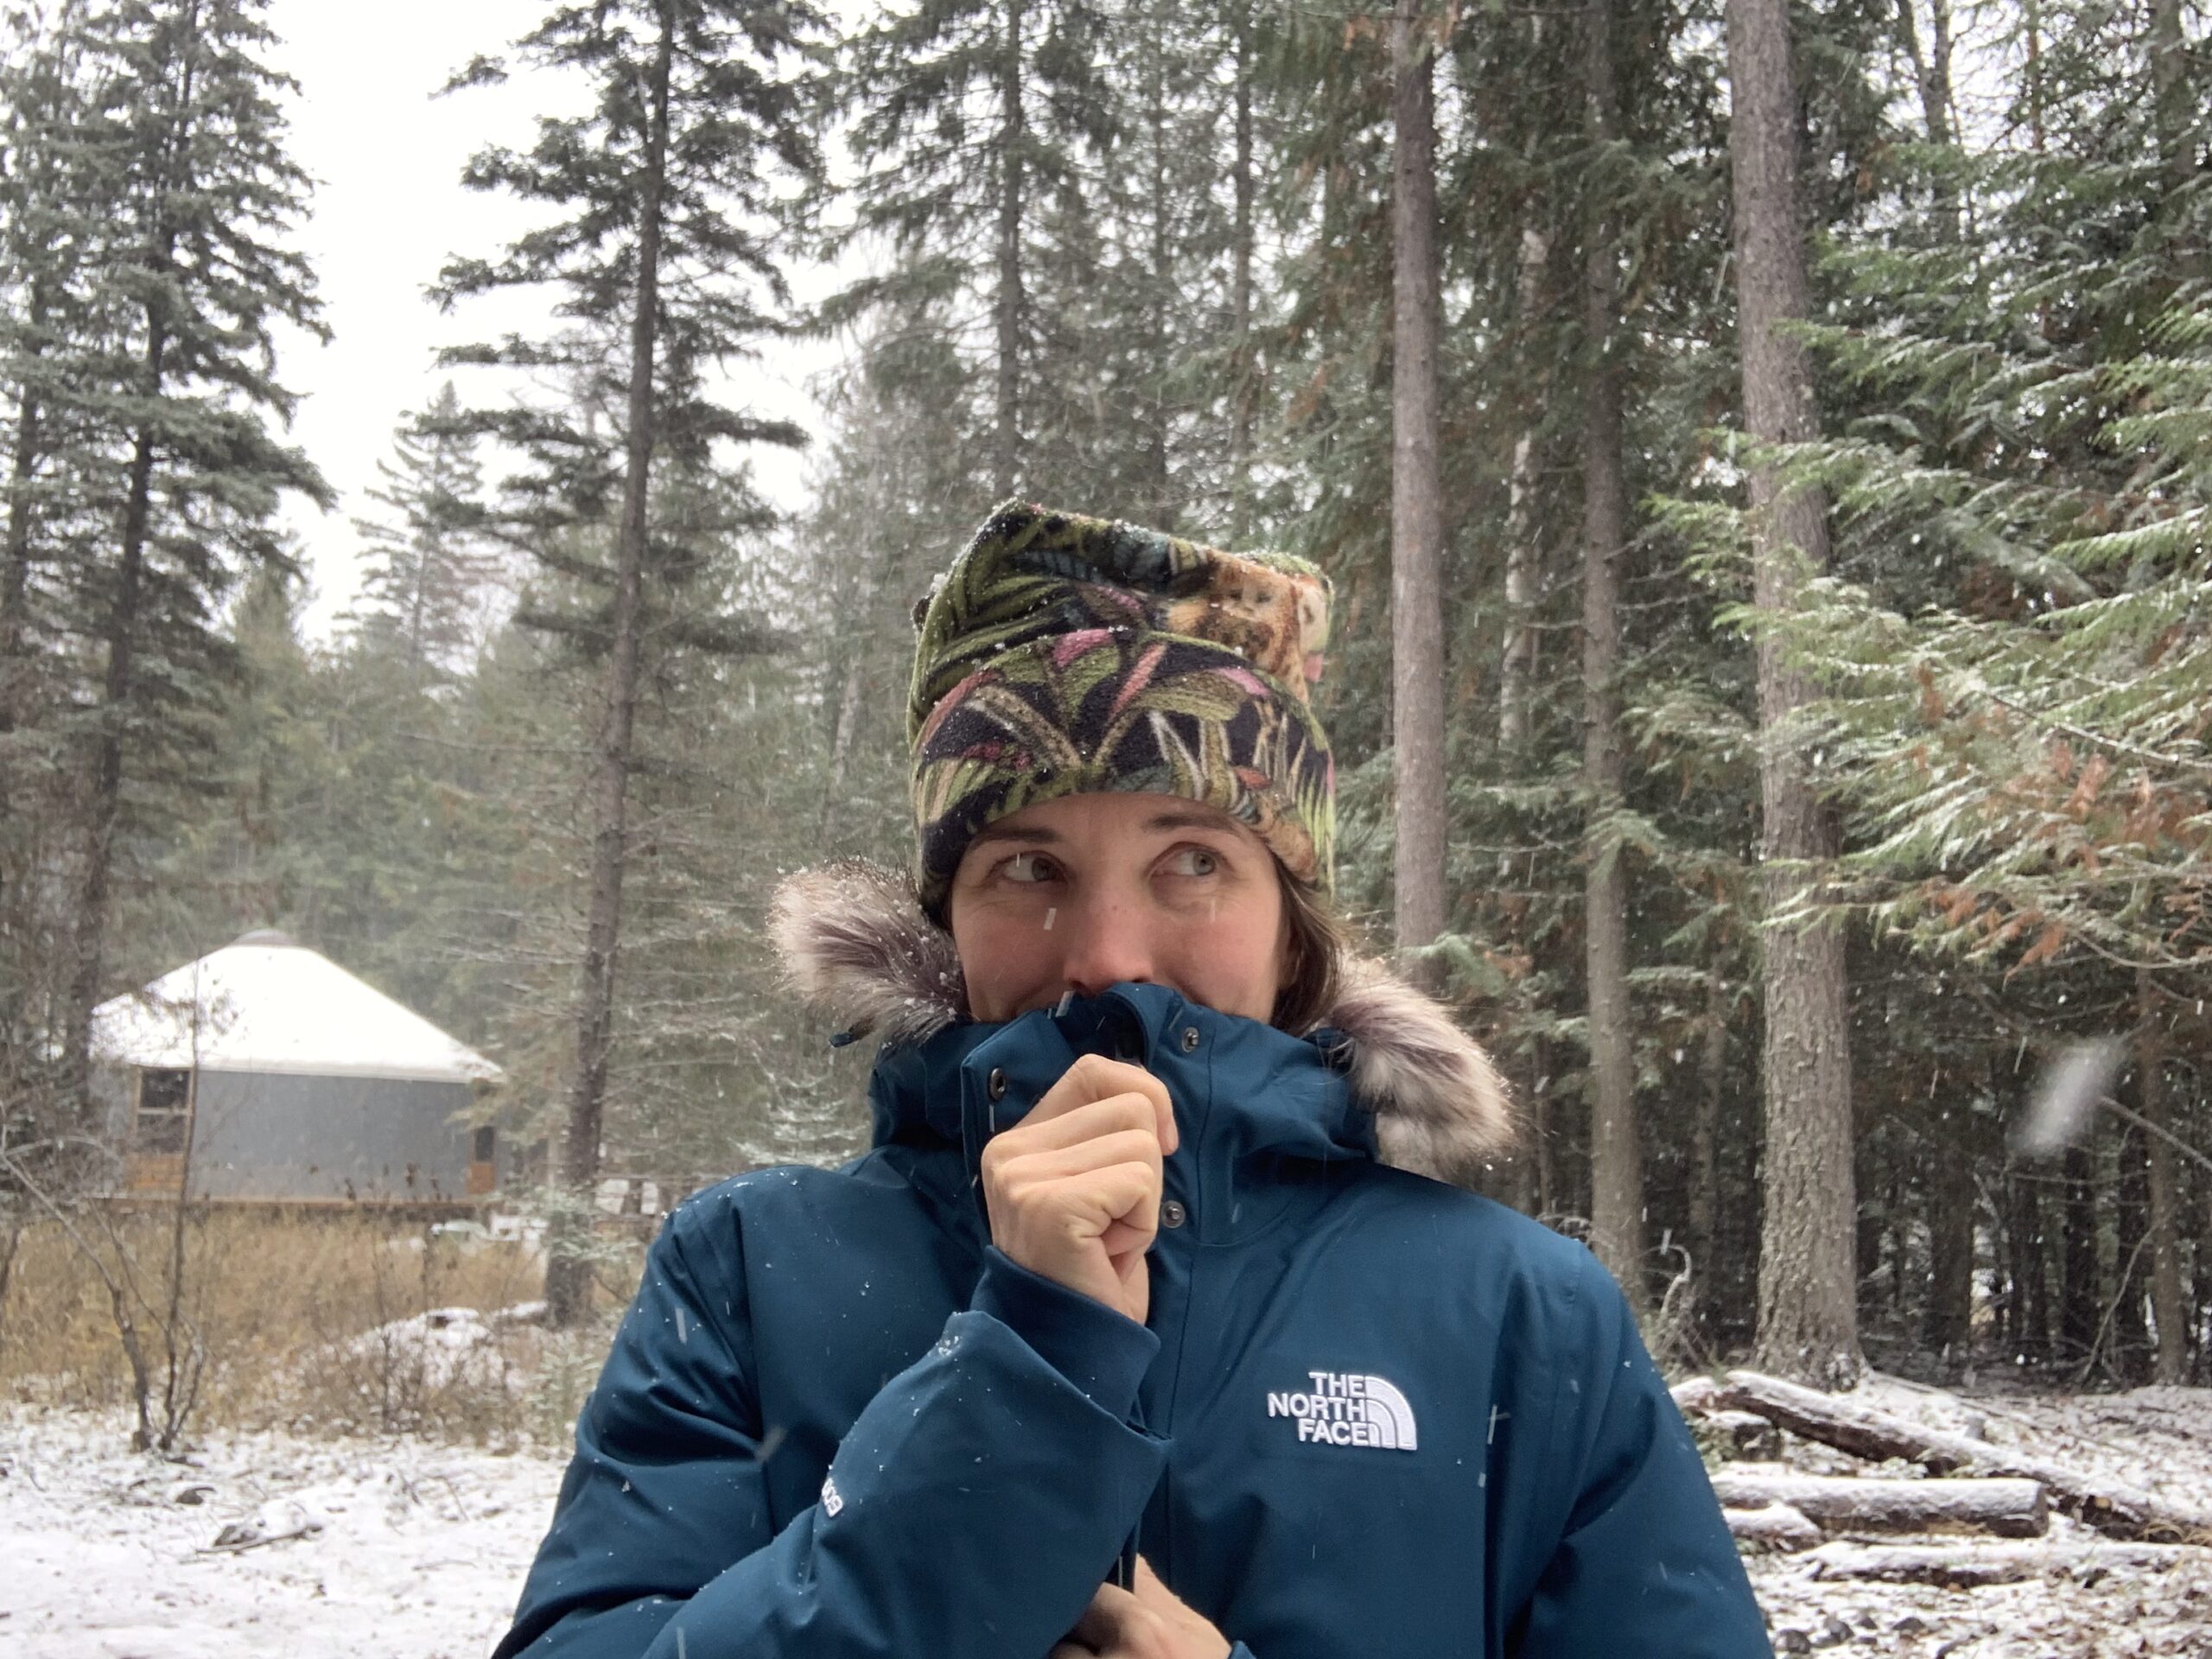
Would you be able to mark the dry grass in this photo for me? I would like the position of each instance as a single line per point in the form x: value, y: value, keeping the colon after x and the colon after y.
x: 296, y: 1313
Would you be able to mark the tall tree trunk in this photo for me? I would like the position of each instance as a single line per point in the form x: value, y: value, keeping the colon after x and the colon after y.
x: 1616, y: 1160
x: 1417, y: 498
x: 2079, y: 1289
x: 16, y: 670
x: 104, y: 808
x: 2196, y: 1211
x: 1006, y: 443
x: 1516, y: 676
x: 840, y: 749
x: 1542, y: 1173
x: 104, y: 805
x: 2025, y: 1327
x: 2127, y: 1352
x: 2031, y: 29
x: 568, y: 1268
x: 1517, y: 682
x: 16, y: 571
x: 1931, y: 73
x: 2169, y: 1360
x: 1808, y: 1318
x: 1949, y: 1195
x: 2170, y: 80
x: 1161, y: 512
x: 1240, y: 291
x: 1705, y: 1150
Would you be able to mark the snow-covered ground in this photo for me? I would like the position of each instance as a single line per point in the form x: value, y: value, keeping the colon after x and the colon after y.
x: 405, y: 1550
x: 2153, y: 1439
x: 409, y: 1550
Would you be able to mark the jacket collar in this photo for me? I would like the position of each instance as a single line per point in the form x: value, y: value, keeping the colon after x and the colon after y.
x: 1414, y: 1086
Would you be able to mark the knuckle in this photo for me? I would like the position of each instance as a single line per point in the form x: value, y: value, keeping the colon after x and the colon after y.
x: 1091, y: 1067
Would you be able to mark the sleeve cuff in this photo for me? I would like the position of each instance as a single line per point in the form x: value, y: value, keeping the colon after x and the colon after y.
x: 1102, y: 1353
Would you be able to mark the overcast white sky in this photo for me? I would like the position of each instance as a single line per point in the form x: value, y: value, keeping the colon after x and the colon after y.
x: 387, y: 211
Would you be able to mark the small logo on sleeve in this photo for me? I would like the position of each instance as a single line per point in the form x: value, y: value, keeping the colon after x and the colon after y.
x: 1348, y: 1408
x: 832, y: 1499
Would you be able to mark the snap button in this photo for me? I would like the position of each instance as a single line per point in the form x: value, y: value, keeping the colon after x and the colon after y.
x: 1172, y: 1214
x: 1190, y: 1038
x: 994, y: 1085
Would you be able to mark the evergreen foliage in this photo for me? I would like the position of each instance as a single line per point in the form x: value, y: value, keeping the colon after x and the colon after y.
x: 1136, y: 259
x: 425, y: 580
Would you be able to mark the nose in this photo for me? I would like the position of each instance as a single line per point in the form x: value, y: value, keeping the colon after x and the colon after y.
x: 1107, y: 941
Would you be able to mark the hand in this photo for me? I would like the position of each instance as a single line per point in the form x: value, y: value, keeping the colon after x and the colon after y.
x: 1149, y: 1624
x: 1073, y: 1189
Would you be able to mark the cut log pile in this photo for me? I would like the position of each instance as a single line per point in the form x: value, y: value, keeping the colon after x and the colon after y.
x: 1973, y: 1490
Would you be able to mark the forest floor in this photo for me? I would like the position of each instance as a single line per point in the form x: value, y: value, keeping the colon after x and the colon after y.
x: 2153, y: 1439
x: 412, y: 1549
x: 391, y: 1548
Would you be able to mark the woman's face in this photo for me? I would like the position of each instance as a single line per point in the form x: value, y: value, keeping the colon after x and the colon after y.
x: 1076, y: 893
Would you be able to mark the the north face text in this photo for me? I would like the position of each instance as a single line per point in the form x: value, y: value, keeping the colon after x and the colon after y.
x: 1348, y: 1408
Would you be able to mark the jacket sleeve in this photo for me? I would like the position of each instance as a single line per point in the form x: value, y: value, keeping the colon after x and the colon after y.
x: 1646, y: 1558
x: 973, y: 1507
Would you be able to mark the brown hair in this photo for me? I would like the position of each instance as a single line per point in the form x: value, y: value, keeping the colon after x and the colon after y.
x: 1318, y: 941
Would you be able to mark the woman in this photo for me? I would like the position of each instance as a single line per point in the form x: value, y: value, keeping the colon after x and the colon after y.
x: 1152, y: 1326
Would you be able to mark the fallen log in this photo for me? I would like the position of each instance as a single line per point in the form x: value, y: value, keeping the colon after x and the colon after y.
x: 1970, y: 1567
x: 1694, y: 1395
x: 1743, y: 1434
x: 2007, y: 1509
x: 1775, y: 1526
x: 2118, y: 1511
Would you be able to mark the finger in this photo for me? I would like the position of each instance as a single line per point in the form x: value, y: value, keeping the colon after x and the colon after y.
x: 1087, y: 1206
x: 1124, y: 1239
x: 1129, y: 1110
x: 1048, y: 1165
x: 1107, y: 1620
x: 1094, y: 1200
x: 1093, y: 1077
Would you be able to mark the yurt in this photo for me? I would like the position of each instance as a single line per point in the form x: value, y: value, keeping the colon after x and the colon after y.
x: 266, y: 1072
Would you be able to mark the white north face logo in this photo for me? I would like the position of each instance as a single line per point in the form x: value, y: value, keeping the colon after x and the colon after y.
x: 1345, y: 1408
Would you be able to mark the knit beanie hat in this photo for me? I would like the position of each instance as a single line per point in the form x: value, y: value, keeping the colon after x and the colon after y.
x: 1066, y: 655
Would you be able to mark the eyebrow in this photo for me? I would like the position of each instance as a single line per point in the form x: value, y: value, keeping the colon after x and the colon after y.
x: 1159, y: 821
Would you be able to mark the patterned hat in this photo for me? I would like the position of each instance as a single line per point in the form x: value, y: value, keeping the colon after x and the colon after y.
x: 1066, y: 656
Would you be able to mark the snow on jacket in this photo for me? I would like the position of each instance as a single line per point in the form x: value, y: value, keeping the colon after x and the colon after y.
x: 1371, y: 1413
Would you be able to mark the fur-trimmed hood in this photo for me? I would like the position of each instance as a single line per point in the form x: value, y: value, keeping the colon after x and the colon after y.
x: 855, y: 944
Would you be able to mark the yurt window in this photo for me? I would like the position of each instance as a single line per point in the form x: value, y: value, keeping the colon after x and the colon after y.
x: 486, y: 1139
x: 164, y: 1103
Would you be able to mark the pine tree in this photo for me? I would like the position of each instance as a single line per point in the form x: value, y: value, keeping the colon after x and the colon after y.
x: 1617, y: 1207
x: 976, y: 124
x: 184, y: 164
x: 41, y: 358
x: 1417, y: 490
x: 1808, y: 1298
x: 669, y: 254
x: 42, y: 234
x: 423, y: 583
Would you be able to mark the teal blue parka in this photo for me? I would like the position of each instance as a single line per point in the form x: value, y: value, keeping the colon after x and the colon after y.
x: 1371, y: 1416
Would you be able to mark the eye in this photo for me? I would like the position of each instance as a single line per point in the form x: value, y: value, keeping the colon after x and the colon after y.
x: 1028, y: 869
x: 1193, y: 860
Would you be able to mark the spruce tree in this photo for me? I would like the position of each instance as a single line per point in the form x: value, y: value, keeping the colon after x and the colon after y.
x: 977, y: 125
x: 1617, y: 1207
x: 423, y: 584
x: 667, y: 249
x: 183, y: 161
x: 42, y: 358
x: 1416, y: 492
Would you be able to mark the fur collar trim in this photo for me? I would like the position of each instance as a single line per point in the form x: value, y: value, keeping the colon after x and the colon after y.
x: 856, y: 945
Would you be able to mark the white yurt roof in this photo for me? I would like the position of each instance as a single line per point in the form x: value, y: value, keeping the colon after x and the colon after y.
x: 262, y: 1003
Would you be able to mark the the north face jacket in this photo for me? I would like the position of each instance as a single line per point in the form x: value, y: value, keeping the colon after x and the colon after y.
x: 1370, y: 1415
